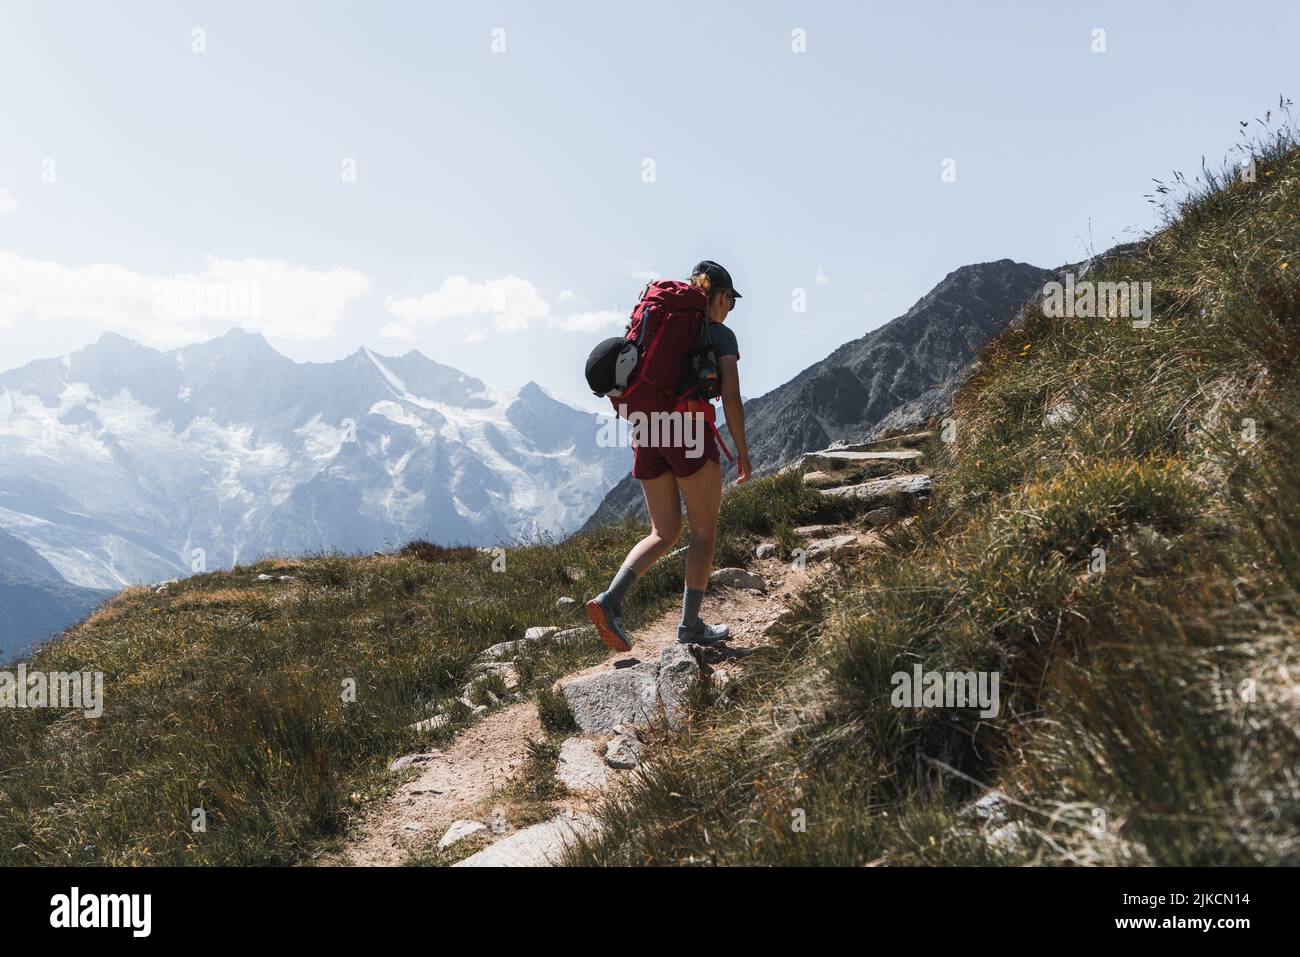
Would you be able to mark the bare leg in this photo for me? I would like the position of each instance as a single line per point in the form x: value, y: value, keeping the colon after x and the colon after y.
x: 703, y: 494
x: 665, y: 507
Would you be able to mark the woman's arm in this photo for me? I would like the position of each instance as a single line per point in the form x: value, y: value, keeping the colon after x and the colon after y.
x: 729, y: 372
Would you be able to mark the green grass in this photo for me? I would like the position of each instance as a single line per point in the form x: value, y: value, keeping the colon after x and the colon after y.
x: 227, y: 694
x: 1146, y: 713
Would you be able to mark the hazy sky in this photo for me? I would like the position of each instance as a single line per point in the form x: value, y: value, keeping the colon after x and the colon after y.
x: 490, y: 183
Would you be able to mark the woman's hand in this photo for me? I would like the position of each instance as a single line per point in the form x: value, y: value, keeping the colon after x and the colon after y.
x: 743, y: 470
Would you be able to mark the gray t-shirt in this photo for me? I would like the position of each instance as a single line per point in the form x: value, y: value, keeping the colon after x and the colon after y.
x: 724, y: 344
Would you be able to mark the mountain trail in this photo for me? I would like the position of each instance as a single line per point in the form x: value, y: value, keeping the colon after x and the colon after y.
x: 463, y: 782
x: 611, y: 701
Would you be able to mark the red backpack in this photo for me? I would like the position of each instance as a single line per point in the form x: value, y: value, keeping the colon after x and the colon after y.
x: 664, y: 327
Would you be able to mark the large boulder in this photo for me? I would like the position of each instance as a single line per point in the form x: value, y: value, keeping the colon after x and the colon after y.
x: 678, y: 673
x: 602, y: 701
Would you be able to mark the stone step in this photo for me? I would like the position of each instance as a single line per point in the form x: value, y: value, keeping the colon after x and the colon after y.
x: 538, y: 846
x: 910, y: 440
x: 821, y: 479
x: 878, y: 491
x: 830, y: 459
x: 832, y: 545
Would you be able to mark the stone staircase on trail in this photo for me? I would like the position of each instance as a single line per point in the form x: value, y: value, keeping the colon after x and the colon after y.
x: 875, y: 473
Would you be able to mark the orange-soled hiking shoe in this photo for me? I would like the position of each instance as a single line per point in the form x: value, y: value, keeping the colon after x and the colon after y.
x: 608, y: 624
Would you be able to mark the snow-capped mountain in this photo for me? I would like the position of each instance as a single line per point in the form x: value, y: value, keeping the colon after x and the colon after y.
x: 122, y: 464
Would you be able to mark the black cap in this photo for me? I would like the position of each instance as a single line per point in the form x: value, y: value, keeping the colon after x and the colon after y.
x: 717, y: 275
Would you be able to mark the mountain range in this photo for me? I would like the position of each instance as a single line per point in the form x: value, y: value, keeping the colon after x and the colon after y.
x: 123, y: 464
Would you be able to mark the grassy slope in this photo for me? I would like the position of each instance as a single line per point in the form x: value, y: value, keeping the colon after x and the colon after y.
x: 1146, y: 711
x: 226, y: 694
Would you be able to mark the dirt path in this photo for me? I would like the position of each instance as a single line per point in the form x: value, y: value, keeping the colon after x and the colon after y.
x: 460, y: 782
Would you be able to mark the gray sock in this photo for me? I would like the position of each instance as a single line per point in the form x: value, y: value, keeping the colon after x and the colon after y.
x: 692, y: 598
x: 618, y: 588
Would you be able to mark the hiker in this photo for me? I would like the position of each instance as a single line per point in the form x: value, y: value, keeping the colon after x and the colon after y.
x: 671, y: 472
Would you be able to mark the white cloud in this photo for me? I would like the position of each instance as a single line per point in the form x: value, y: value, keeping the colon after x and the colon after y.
x: 642, y: 270
x: 8, y: 204
x: 498, y: 305
x: 591, y: 321
x: 268, y: 295
x: 483, y: 309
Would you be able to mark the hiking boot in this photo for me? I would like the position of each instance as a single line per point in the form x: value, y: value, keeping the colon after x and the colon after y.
x: 609, y: 624
x: 701, y: 634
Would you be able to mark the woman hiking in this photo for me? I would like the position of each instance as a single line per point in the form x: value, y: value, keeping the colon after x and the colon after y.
x: 669, y: 474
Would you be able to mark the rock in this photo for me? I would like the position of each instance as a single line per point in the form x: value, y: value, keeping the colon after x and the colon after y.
x: 1062, y: 413
x: 567, y: 604
x: 824, y: 547
x: 891, y: 442
x: 737, y: 578
x: 1008, y: 835
x: 877, y: 491
x: 991, y: 808
x: 509, y: 649
x: 881, y: 516
x: 264, y: 578
x: 407, y: 760
x: 579, y: 767
x: 505, y: 670
x: 502, y: 649
x: 480, y: 711
x: 678, y: 673
x: 815, y: 531
x: 871, y: 461
x: 574, y: 574
x: 538, y: 846
x: 431, y: 724
x: 820, y: 479
x: 765, y: 550
x: 624, y: 751
x: 460, y: 830
x: 601, y: 701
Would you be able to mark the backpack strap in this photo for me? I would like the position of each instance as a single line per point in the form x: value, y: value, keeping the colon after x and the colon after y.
x: 705, y: 408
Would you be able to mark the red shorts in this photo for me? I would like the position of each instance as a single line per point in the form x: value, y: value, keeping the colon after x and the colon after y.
x: 681, y: 458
